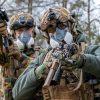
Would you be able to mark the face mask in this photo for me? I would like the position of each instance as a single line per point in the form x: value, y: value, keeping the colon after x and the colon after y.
x: 59, y: 35
x: 25, y: 39
x: 67, y: 38
x: 54, y: 43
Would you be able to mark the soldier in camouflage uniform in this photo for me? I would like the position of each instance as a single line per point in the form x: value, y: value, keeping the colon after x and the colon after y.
x: 5, y: 62
x: 21, y: 49
x: 59, y: 26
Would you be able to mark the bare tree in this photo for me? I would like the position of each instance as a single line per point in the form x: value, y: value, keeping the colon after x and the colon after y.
x: 30, y: 6
x: 89, y: 24
x: 64, y: 2
x: 1, y: 3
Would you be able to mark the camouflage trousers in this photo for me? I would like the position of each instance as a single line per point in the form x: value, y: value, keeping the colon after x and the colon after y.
x: 8, y: 85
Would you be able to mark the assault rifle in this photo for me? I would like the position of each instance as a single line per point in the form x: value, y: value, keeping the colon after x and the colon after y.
x: 55, y: 72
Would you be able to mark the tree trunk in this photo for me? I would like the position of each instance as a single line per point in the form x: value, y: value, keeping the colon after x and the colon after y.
x: 64, y: 2
x: 89, y: 23
x: 18, y: 1
x: 30, y: 6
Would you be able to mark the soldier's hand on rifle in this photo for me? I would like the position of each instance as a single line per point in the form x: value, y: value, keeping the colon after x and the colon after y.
x: 79, y: 60
x: 76, y: 61
x: 48, y: 59
x: 14, y: 51
x: 3, y: 27
x: 43, y: 69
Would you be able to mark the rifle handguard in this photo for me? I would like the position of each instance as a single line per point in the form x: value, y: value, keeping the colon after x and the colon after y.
x: 52, y: 71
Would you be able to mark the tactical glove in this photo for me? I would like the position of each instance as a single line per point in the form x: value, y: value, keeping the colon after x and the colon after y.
x: 3, y: 27
x: 76, y: 61
x: 4, y: 60
x: 14, y: 51
x: 79, y: 60
x: 43, y: 69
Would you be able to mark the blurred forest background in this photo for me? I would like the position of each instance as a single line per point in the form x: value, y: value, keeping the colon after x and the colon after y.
x: 86, y: 12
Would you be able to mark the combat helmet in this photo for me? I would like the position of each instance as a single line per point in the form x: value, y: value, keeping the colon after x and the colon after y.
x: 57, y: 17
x: 21, y: 20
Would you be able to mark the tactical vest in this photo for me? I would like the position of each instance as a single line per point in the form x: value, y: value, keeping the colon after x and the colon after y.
x: 95, y: 85
x: 69, y: 91
x: 97, y: 91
